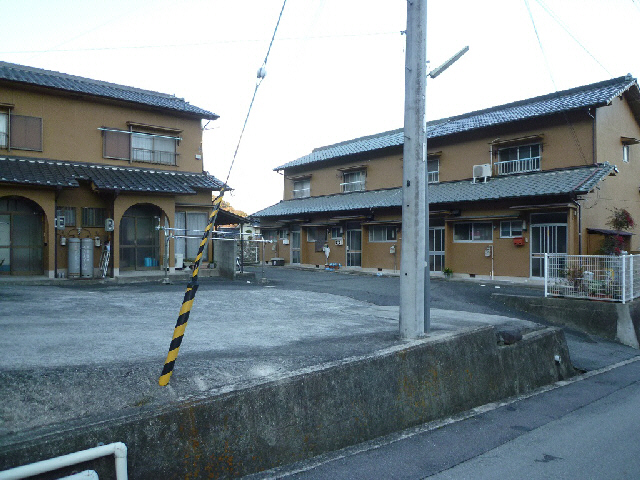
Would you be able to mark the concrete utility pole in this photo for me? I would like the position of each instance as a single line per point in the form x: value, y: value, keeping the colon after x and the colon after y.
x: 414, y: 274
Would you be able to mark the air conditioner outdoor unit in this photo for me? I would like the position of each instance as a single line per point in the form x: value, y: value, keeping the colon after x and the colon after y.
x: 481, y: 171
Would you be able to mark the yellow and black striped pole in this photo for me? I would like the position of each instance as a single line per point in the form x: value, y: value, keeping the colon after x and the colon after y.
x: 187, y: 302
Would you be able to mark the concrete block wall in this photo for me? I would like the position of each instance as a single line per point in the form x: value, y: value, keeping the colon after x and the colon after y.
x: 321, y: 410
x: 610, y: 320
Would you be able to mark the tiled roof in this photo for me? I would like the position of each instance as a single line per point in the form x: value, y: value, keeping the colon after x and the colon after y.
x: 71, y: 83
x: 594, y: 95
x: 576, y: 180
x: 44, y: 172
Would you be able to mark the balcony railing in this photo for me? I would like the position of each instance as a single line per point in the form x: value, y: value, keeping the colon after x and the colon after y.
x: 153, y: 156
x: 302, y: 193
x: 523, y: 165
x: 357, y: 186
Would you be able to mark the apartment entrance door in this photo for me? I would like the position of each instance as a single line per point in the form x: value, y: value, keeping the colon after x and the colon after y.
x: 548, y: 235
x: 436, y: 249
x: 295, y: 244
x: 354, y: 245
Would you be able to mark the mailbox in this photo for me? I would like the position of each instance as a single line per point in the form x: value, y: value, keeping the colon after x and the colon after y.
x: 518, y: 241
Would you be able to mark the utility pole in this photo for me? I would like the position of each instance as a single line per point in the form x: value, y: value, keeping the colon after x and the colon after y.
x: 414, y: 274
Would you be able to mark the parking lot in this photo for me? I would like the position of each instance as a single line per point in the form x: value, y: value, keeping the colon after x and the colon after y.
x: 74, y: 350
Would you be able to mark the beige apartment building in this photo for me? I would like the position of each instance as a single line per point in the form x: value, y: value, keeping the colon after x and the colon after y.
x: 505, y: 185
x: 85, y: 163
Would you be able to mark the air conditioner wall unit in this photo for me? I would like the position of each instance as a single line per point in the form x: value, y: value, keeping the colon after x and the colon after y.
x: 481, y: 171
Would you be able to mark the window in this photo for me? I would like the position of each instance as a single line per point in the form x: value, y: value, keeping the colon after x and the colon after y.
x: 353, y: 181
x: 26, y: 133
x: 93, y: 217
x: 518, y: 159
x: 153, y: 148
x: 316, y: 234
x: 625, y: 153
x: 433, y: 171
x: 139, y: 147
x: 336, y: 233
x: 510, y: 229
x: 270, y: 235
x: 382, y: 233
x: 283, y: 233
x: 4, y: 130
x: 473, y: 232
x: 302, y: 188
x: 69, y: 214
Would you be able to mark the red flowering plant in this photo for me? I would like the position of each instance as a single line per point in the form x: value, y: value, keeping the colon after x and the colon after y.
x: 620, y: 220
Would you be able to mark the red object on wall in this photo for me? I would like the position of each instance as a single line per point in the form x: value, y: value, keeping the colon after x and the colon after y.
x: 518, y: 241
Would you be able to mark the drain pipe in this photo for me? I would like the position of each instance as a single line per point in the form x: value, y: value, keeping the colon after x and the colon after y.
x: 577, y: 204
x: 118, y: 449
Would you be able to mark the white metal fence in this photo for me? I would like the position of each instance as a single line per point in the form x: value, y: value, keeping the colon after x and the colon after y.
x: 595, y: 277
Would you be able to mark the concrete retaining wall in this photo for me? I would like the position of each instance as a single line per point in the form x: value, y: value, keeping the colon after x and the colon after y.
x: 610, y: 320
x: 284, y: 421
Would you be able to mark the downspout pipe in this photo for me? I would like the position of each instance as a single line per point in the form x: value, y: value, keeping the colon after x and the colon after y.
x: 577, y: 204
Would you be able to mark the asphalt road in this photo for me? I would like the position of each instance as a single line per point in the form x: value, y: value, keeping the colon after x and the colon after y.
x: 586, y: 428
x: 588, y: 352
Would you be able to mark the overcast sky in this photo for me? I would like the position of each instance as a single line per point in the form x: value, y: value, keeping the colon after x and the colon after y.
x: 336, y: 68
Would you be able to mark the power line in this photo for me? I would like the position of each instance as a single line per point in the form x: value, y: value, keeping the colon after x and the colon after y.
x: 261, y: 74
x: 198, y: 44
x: 576, y: 140
x: 566, y: 29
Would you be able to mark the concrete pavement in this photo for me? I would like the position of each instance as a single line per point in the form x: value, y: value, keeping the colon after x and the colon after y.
x: 73, y: 353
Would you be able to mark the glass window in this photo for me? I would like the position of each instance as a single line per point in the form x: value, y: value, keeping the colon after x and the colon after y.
x: 510, y: 229
x: 283, y: 233
x: 336, y: 233
x: 93, y: 217
x: 625, y: 153
x: 433, y: 171
x: 302, y: 188
x: 473, y: 232
x: 69, y: 214
x: 153, y: 148
x: 525, y: 158
x: 382, y: 233
x: 312, y: 234
x: 353, y: 181
x: 4, y: 130
x: 270, y: 235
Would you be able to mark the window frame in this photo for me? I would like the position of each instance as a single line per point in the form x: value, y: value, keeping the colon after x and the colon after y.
x: 436, y: 178
x: 473, y: 227
x: 333, y: 231
x: 4, y: 135
x: 386, y: 230
x: 115, y: 149
x: 93, y: 217
x: 511, y: 229
x: 305, y: 183
x: 359, y: 185
x: 536, y: 160
x: 626, y: 152
x: 70, y: 215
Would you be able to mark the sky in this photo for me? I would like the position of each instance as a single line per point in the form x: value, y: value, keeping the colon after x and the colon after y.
x: 335, y: 70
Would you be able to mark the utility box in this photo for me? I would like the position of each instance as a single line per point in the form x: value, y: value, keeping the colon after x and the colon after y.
x: 277, y: 262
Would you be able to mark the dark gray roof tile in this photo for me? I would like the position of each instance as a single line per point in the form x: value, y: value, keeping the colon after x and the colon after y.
x: 594, y: 95
x: 45, y: 172
x: 60, y: 81
x: 576, y: 180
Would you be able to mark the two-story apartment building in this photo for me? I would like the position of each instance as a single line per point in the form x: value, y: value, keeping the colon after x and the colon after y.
x: 505, y: 185
x: 87, y: 162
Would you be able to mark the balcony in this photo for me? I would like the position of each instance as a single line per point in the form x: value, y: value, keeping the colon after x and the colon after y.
x: 161, y: 157
x: 521, y: 165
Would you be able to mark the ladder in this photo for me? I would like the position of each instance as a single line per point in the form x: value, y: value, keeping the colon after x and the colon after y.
x: 104, y: 259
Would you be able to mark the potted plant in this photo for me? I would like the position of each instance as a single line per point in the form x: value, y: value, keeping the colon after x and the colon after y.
x: 447, y: 272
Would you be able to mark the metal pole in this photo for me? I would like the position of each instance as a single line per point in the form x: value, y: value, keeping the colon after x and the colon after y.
x: 414, y: 276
